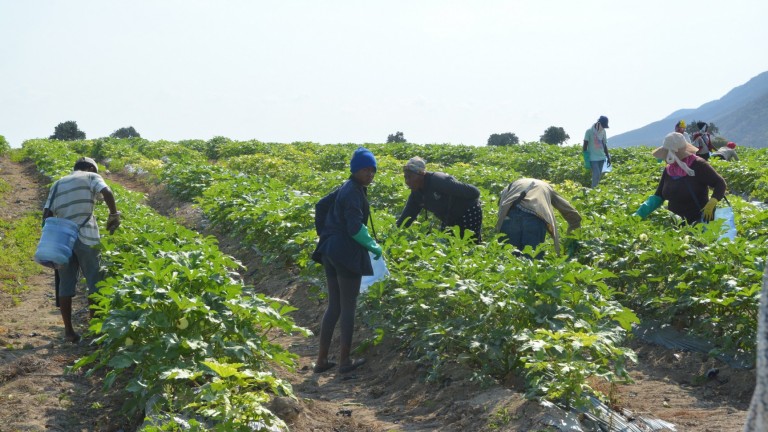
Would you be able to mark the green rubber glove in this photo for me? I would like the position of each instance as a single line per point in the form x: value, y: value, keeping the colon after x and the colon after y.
x: 587, y: 165
x: 367, y: 242
x: 652, y: 203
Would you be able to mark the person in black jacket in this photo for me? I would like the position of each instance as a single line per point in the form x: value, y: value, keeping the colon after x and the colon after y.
x: 341, y: 219
x: 453, y: 202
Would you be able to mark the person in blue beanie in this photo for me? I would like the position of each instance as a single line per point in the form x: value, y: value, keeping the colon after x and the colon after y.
x: 341, y: 219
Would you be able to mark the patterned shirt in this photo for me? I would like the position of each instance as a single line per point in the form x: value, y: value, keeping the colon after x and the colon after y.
x: 596, y: 143
x: 75, y: 200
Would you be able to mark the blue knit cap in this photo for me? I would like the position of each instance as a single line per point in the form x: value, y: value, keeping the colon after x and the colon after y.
x: 363, y: 158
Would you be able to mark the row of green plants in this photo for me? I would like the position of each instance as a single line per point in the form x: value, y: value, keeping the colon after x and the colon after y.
x: 174, y: 319
x: 708, y: 300
x: 18, y: 240
x: 563, y: 315
x: 4, y: 146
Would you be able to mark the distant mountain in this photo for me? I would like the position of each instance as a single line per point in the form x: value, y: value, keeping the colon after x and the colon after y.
x: 741, y: 116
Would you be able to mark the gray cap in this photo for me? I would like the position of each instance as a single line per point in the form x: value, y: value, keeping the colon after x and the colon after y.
x: 416, y: 165
x: 88, y: 161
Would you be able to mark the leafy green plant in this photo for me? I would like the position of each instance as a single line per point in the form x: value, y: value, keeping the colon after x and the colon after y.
x: 560, y: 322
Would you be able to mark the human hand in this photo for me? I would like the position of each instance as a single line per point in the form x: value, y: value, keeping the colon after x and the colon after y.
x: 375, y: 249
x: 709, y: 209
x: 113, y: 221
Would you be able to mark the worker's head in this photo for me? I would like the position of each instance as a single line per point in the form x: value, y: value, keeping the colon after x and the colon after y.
x: 363, y: 166
x: 603, y: 120
x: 680, y: 126
x: 414, y: 171
x: 731, y: 145
x: 86, y: 164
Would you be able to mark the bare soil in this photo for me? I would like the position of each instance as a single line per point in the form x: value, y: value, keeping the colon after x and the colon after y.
x: 388, y: 393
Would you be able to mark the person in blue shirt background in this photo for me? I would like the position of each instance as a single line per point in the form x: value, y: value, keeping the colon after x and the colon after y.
x: 595, y: 149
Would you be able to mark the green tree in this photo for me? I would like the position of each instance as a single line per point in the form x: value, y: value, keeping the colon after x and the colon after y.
x: 554, y: 135
x: 67, y: 131
x: 124, y: 132
x: 691, y: 127
x: 504, y: 139
x: 397, y: 137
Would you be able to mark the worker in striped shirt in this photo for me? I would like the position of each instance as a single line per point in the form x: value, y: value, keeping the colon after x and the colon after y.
x: 73, y: 197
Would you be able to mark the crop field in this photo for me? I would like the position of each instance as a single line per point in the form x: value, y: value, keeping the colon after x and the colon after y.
x: 178, y: 326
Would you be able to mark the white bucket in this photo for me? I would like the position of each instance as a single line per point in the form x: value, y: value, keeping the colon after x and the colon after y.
x: 56, y: 242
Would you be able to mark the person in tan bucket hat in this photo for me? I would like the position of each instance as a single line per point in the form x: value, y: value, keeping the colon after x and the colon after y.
x: 685, y: 182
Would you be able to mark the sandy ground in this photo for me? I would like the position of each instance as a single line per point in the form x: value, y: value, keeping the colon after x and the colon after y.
x: 389, y: 393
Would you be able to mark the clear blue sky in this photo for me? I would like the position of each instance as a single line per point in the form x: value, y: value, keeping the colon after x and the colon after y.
x: 355, y: 71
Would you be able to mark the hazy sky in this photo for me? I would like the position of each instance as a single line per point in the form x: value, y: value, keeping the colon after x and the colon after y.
x: 355, y: 71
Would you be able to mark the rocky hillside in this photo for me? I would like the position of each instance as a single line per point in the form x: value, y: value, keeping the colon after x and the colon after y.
x: 741, y: 115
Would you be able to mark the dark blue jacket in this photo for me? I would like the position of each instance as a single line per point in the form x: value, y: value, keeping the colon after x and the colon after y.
x: 338, y: 216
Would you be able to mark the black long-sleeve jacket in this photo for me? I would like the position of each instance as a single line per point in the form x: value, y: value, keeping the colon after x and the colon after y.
x: 339, y: 216
x: 444, y: 196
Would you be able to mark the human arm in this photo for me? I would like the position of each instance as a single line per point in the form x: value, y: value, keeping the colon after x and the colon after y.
x: 109, y: 199
x: 706, y: 174
x: 567, y: 210
x: 47, y: 212
x: 113, y: 220
x: 353, y: 206
x: 364, y: 239
x: 410, y: 212
x: 708, y: 141
x: 585, y: 149
x: 652, y: 203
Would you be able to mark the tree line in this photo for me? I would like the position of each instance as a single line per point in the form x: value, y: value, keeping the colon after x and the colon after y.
x: 68, y: 131
x: 553, y: 135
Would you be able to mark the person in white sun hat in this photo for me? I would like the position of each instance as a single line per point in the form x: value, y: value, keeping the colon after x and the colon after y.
x: 685, y: 183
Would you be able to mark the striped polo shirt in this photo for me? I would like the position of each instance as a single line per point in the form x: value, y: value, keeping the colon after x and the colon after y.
x: 75, y: 199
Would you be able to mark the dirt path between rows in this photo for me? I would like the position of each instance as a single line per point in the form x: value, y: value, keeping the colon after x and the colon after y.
x: 35, y: 392
x: 389, y: 393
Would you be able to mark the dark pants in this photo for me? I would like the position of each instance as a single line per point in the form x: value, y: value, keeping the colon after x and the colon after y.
x: 524, y: 229
x: 472, y: 220
x: 343, y: 289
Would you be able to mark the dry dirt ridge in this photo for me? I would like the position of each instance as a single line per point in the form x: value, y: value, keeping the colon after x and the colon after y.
x: 389, y: 393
